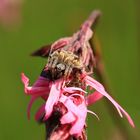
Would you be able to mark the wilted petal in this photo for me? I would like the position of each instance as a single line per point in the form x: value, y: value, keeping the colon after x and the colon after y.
x: 86, y: 57
x: 60, y: 43
x: 89, y: 34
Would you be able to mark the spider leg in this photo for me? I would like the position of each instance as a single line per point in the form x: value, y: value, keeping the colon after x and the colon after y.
x: 68, y: 71
x: 54, y: 62
x: 50, y: 62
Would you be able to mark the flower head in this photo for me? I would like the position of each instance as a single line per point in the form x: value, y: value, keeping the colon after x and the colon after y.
x: 63, y: 83
x: 74, y: 99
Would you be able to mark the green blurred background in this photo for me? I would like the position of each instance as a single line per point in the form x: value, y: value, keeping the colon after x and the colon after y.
x: 45, y: 21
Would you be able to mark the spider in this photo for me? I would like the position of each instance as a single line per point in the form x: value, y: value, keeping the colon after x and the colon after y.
x: 62, y: 63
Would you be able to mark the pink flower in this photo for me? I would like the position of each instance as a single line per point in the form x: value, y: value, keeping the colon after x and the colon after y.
x: 75, y: 100
x: 64, y: 80
x: 10, y: 11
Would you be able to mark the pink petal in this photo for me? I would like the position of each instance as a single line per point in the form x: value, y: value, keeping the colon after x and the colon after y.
x: 24, y: 79
x: 79, y: 112
x: 33, y: 98
x: 86, y: 58
x: 100, y: 89
x: 94, y: 97
x: 89, y: 34
x: 40, y: 87
x: 73, y: 89
x: 36, y: 90
x: 95, y: 82
x: 40, y: 112
x: 53, y: 98
x: 127, y: 116
x: 76, y: 94
x: 63, y: 98
x: 80, y: 122
x: 72, y: 107
x: 67, y: 118
x: 92, y: 82
x: 41, y: 81
x: 77, y: 127
x: 60, y: 43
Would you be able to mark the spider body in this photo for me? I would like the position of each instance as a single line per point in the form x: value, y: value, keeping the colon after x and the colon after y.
x: 62, y: 63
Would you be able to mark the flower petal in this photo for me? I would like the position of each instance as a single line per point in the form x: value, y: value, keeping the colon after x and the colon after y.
x: 79, y: 112
x: 40, y: 87
x: 94, y: 97
x: 92, y: 82
x: 60, y: 43
x: 80, y: 122
x: 40, y: 112
x: 53, y: 98
x: 103, y: 92
x: 73, y: 89
x: 33, y: 98
x: 24, y: 79
x: 67, y: 118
